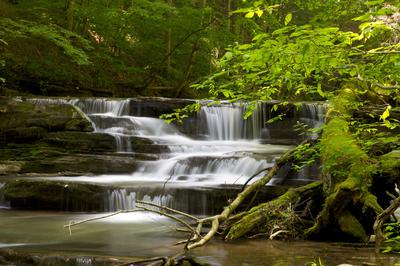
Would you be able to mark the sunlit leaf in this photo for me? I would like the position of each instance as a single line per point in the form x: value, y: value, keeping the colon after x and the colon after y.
x: 249, y: 14
x: 288, y: 18
x: 386, y: 113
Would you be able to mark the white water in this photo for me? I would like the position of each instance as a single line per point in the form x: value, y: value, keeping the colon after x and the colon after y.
x: 230, y: 154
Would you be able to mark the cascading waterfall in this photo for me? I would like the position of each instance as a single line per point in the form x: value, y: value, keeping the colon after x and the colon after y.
x: 230, y: 154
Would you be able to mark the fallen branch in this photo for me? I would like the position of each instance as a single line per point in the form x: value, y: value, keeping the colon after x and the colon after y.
x: 72, y: 223
x: 196, y: 239
x: 184, y: 223
x: 140, y: 209
x: 228, y: 210
x: 168, y: 209
x: 381, y: 219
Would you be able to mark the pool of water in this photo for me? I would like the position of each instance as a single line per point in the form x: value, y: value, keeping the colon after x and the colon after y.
x: 140, y: 235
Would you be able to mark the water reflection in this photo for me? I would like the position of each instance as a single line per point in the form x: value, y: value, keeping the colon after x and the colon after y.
x: 148, y: 235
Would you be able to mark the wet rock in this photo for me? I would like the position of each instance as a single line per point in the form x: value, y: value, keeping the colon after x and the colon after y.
x: 80, y: 141
x: 24, y: 134
x: 10, y: 167
x: 26, y: 118
x: 81, y: 164
x: 154, y: 107
x: 12, y: 257
x: 54, y: 195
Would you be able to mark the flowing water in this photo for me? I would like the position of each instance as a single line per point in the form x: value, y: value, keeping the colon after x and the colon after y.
x: 224, y: 149
x: 194, y: 167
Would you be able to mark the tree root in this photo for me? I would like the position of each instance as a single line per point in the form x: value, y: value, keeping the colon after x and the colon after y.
x: 279, y: 209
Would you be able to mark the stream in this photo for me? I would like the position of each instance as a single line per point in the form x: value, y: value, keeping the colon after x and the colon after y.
x: 195, y: 167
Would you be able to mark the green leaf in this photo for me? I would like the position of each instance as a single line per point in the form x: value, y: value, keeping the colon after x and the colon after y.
x: 319, y: 90
x: 249, y: 14
x: 288, y: 18
x: 259, y: 12
x: 386, y: 113
x: 353, y: 72
x: 228, y: 55
x: 373, y: 3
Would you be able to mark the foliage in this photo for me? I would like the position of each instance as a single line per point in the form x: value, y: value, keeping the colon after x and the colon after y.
x: 316, y: 262
x: 392, y: 234
x: 306, y: 60
x: 134, y: 44
x: 305, y: 155
x: 60, y: 37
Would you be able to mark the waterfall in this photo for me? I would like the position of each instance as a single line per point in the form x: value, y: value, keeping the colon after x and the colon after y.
x: 203, y: 170
x: 230, y: 150
x: 313, y: 115
x: 103, y: 106
x: 122, y: 199
x: 225, y: 121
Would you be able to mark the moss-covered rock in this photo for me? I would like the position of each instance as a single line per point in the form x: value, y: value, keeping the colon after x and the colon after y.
x: 81, y: 142
x: 54, y: 195
x: 10, y: 167
x: 81, y: 164
x: 390, y: 164
x: 24, y: 134
x: 351, y: 226
x: 19, y: 118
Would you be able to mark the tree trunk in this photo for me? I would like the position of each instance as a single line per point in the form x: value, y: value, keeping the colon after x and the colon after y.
x: 69, y: 5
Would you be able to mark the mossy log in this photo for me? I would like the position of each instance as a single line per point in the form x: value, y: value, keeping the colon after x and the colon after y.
x: 351, y: 207
x: 275, y: 214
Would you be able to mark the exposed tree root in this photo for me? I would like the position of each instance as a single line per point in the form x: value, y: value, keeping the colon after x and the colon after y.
x: 276, y: 216
x: 350, y: 207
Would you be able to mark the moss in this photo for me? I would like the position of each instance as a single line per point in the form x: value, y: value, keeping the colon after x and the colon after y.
x: 389, y: 164
x: 80, y: 142
x: 278, y: 211
x: 351, y: 226
x: 370, y: 201
x: 340, y: 152
x: 17, y: 113
x: 23, y: 134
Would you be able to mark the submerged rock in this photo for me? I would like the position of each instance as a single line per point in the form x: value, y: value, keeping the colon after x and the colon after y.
x: 12, y: 257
